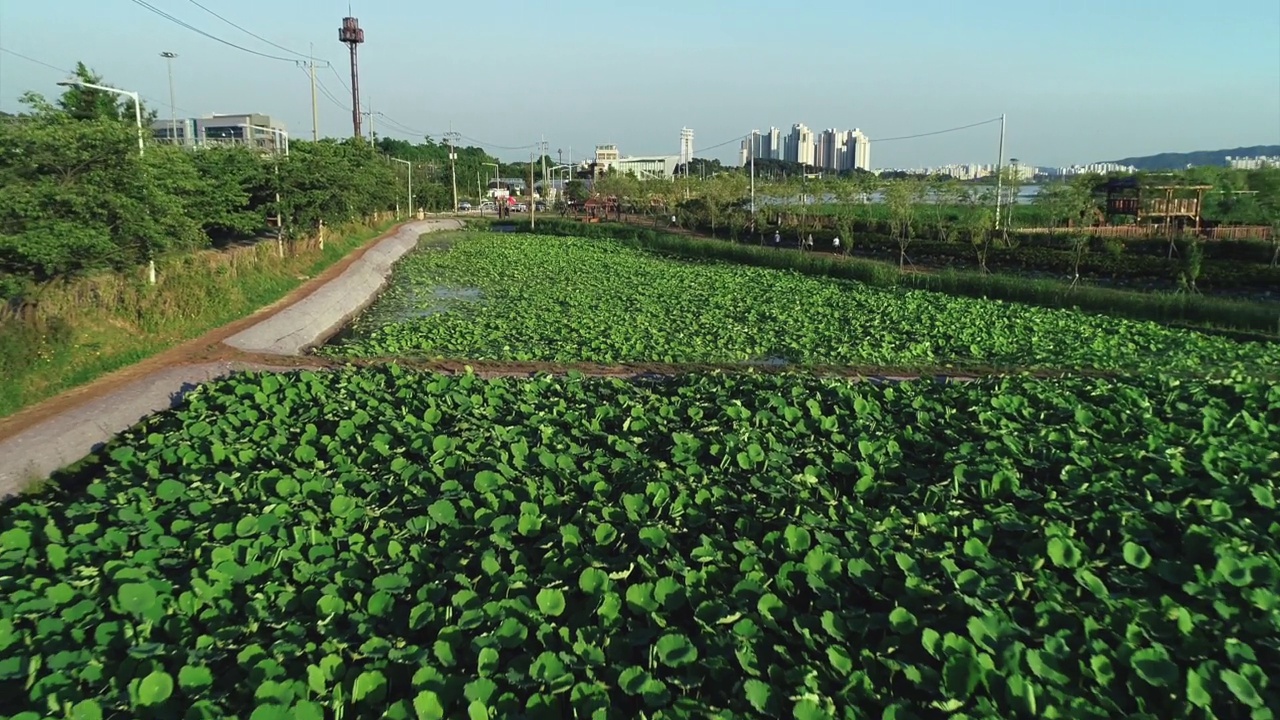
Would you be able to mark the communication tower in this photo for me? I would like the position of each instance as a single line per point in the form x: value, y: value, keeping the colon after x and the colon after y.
x: 352, y: 35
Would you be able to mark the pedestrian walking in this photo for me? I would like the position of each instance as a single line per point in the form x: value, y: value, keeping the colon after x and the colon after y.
x: 836, y: 243
x: 777, y: 240
x: 808, y: 243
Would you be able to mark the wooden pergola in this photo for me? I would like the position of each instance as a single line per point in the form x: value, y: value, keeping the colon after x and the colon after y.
x: 1159, y: 203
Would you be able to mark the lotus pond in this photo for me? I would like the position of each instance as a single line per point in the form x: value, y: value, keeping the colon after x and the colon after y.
x: 382, y: 543
x: 541, y: 298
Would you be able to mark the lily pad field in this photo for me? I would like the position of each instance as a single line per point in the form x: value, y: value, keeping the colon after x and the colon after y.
x: 380, y: 542
x: 521, y: 297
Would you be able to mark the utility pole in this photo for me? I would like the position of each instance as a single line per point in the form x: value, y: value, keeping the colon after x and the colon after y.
x: 352, y: 35
x: 453, y: 137
x: 315, y: 108
x: 751, y: 148
x: 532, y: 204
x: 372, y: 136
x: 1000, y: 172
x: 173, y: 109
x: 546, y: 179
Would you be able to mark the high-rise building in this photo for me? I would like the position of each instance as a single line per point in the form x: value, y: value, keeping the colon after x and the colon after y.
x: 686, y: 146
x: 859, y: 149
x: 833, y: 150
x: 799, y: 147
x: 775, y: 144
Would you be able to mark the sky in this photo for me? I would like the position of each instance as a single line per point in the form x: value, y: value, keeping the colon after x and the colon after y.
x: 1079, y: 80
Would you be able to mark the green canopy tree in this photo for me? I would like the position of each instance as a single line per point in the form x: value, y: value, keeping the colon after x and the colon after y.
x: 903, y: 197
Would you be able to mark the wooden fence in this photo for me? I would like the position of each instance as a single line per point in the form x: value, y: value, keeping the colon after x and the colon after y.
x: 1222, y: 232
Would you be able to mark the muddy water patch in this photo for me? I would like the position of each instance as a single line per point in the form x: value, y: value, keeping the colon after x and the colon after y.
x: 403, y: 304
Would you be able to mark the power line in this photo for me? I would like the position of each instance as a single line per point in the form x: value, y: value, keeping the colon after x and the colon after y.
x: 936, y: 132
x: 325, y: 91
x: 482, y: 144
x: 28, y: 58
x: 167, y: 16
x: 717, y: 145
x: 341, y: 81
x: 245, y: 31
x: 31, y: 59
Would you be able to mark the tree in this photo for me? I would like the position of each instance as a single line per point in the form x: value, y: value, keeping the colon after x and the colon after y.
x: 576, y: 191
x: 719, y: 193
x: 82, y: 103
x: 903, y: 197
x: 941, y: 193
x: 977, y: 226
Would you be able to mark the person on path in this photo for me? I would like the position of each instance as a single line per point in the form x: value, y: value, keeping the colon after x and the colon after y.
x: 777, y: 239
x: 673, y: 221
x: 836, y: 243
x: 808, y: 243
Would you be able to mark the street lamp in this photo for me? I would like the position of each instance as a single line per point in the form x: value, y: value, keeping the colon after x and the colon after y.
x: 173, y: 108
x: 751, y: 148
x: 497, y: 182
x: 410, y: 164
x: 137, y: 103
x: 281, y: 135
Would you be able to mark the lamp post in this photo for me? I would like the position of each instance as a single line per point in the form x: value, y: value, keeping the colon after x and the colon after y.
x: 281, y: 140
x: 137, y: 103
x: 497, y: 181
x: 173, y: 108
x: 137, y: 118
x: 279, y: 133
x: 751, y: 148
x: 410, y: 164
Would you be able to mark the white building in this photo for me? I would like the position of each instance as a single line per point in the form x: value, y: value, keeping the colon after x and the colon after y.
x: 648, y: 167
x: 255, y: 130
x: 859, y: 149
x: 773, y: 150
x: 800, y: 146
x: 686, y: 146
x: 1253, y: 163
x: 832, y: 150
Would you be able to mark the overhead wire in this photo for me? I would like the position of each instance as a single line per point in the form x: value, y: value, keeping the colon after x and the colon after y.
x: 936, y: 132
x: 246, y: 31
x: 228, y: 43
x: 149, y: 100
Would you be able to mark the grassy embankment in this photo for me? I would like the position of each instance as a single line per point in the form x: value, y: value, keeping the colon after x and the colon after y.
x: 1242, y: 318
x: 87, y: 327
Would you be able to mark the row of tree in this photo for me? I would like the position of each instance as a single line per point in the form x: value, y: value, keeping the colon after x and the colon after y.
x: 79, y: 196
x: 907, y: 209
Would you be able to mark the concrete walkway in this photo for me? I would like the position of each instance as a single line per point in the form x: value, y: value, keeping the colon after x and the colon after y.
x: 36, y: 452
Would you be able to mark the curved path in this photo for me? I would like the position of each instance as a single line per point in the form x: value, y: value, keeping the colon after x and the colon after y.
x: 38, y: 441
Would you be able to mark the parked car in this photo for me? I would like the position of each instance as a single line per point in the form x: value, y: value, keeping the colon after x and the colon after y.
x: 487, y: 206
x: 519, y: 207
x: 464, y: 206
x: 540, y: 206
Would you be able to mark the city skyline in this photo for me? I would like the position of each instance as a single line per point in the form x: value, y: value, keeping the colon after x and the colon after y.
x: 830, y: 149
x: 1071, y: 96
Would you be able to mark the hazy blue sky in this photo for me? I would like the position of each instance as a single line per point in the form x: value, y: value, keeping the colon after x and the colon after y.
x: 1081, y: 80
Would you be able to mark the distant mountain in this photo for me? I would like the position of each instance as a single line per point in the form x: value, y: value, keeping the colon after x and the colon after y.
x: 1178, y: 161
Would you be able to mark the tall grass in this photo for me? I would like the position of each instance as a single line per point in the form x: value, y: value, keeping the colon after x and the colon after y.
x: 1245, y: 319
x: 83, y: 328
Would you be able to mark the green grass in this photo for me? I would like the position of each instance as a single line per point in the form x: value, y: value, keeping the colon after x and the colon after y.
x: 88, y: 327
x: 564, y: 299
x: 1257, y: 320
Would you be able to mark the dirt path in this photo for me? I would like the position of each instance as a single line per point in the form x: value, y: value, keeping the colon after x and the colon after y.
x: 205, y: 349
